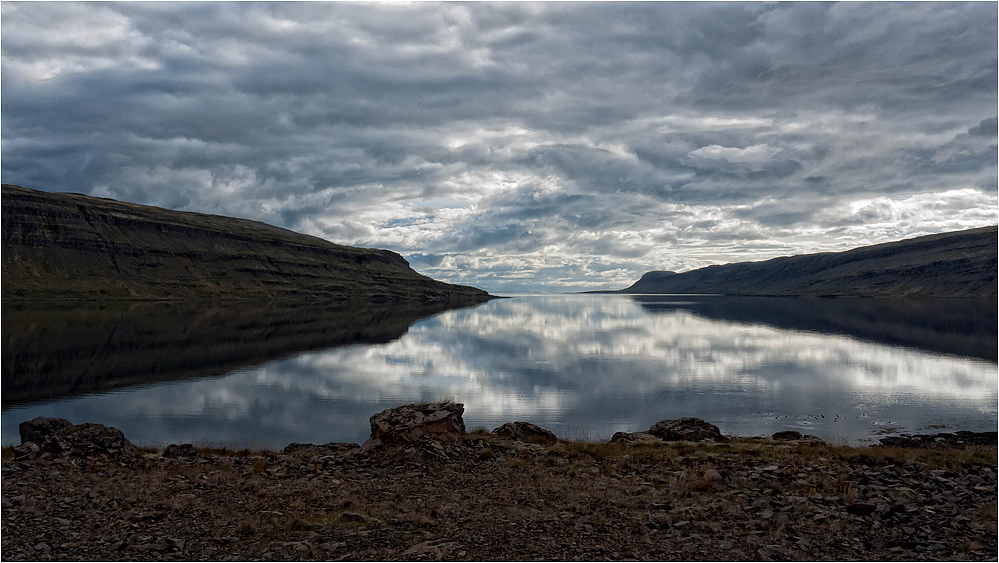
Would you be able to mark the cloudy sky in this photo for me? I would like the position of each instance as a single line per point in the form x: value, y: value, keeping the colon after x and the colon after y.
x: 519, y: 146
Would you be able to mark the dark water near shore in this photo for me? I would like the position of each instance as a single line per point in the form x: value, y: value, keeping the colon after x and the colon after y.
x: 584, y: 366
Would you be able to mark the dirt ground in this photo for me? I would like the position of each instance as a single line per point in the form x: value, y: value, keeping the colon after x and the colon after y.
x: 491, y: 499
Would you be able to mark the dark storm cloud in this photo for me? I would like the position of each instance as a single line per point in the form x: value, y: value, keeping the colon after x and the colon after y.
x: 987, y: 128
x: 524, y: 143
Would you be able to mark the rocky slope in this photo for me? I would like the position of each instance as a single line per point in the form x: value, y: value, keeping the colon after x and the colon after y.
x: 72, y: 246
x: 958, y: 264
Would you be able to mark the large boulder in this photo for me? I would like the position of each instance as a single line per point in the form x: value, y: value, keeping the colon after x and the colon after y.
x: 526, y: 432
x: 411, y: 423
x: 786, y: 435
x: 90, y: 440
x: 685, y: 429
x: 59, y: 437
x: 36, y: 429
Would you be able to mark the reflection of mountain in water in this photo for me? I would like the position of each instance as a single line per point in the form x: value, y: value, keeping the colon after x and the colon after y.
x: 51, y: 350
x: 965, y: 327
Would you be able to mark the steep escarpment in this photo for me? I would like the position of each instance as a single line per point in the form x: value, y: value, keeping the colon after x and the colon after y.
x: 72, y: 246
x: 958, y: 264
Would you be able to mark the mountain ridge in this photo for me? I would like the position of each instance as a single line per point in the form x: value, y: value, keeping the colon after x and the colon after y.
x: 74, y: 246
x: 954, y: 264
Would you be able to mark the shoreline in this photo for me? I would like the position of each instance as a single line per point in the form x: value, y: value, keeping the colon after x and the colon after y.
x: 897, y: 437
x: 421, y: 488
x: 936, y: 441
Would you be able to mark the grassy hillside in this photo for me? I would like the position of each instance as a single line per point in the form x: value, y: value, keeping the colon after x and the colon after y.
x: 72, y: 246
x: 958, y: 264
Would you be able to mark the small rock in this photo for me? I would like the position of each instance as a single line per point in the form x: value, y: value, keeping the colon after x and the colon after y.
x: 634, y: 438
x: 689, y: 429
x: 371, y: 444
x: 352, y: 517
x: 861, y: 509
x: 178, y: 451
x: 767, y: 514
x: 525, y: 432
x: 27, y: 450
x: 423, y: 549
x: 43, y: 547
x: 657, y: 521
x: 712, y: 475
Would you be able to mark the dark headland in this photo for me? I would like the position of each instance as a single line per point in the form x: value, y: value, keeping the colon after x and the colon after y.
x: 72, y: 246
x: 957, y: 264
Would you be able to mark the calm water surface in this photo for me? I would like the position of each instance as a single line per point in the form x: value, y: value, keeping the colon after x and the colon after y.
x: 584, y: 366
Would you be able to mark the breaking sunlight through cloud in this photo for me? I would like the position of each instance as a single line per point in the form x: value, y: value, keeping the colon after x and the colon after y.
x: 519, y: 146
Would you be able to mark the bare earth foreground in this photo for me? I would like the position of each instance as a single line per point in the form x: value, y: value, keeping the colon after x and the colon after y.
x: 433, y: 492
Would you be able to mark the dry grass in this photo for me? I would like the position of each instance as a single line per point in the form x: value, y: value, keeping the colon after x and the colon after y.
x: 655, y: 500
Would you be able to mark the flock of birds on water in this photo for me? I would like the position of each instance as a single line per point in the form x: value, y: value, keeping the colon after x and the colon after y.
x: 836, y: 418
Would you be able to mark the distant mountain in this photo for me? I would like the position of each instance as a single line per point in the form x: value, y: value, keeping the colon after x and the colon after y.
x: 72, y: 246
x: 957, y: 264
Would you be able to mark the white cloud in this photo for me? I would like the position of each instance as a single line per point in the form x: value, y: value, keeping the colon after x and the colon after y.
x: 755, y: 154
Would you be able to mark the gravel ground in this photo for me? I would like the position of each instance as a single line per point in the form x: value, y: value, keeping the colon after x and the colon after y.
x: 492, y: 499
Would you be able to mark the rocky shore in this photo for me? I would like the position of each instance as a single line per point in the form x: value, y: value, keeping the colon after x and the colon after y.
x: 423, y: 488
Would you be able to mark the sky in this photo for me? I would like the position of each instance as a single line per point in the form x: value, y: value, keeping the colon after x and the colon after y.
x: 519, y: 146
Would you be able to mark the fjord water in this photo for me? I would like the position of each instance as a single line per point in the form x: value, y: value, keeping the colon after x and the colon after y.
x: 584, y: 366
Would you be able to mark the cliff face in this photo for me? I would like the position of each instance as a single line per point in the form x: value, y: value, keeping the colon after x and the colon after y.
x: 958, y: 264
x: 71, y: 246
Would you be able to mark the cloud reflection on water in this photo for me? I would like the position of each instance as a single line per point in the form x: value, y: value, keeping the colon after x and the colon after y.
x: 584, y: 366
